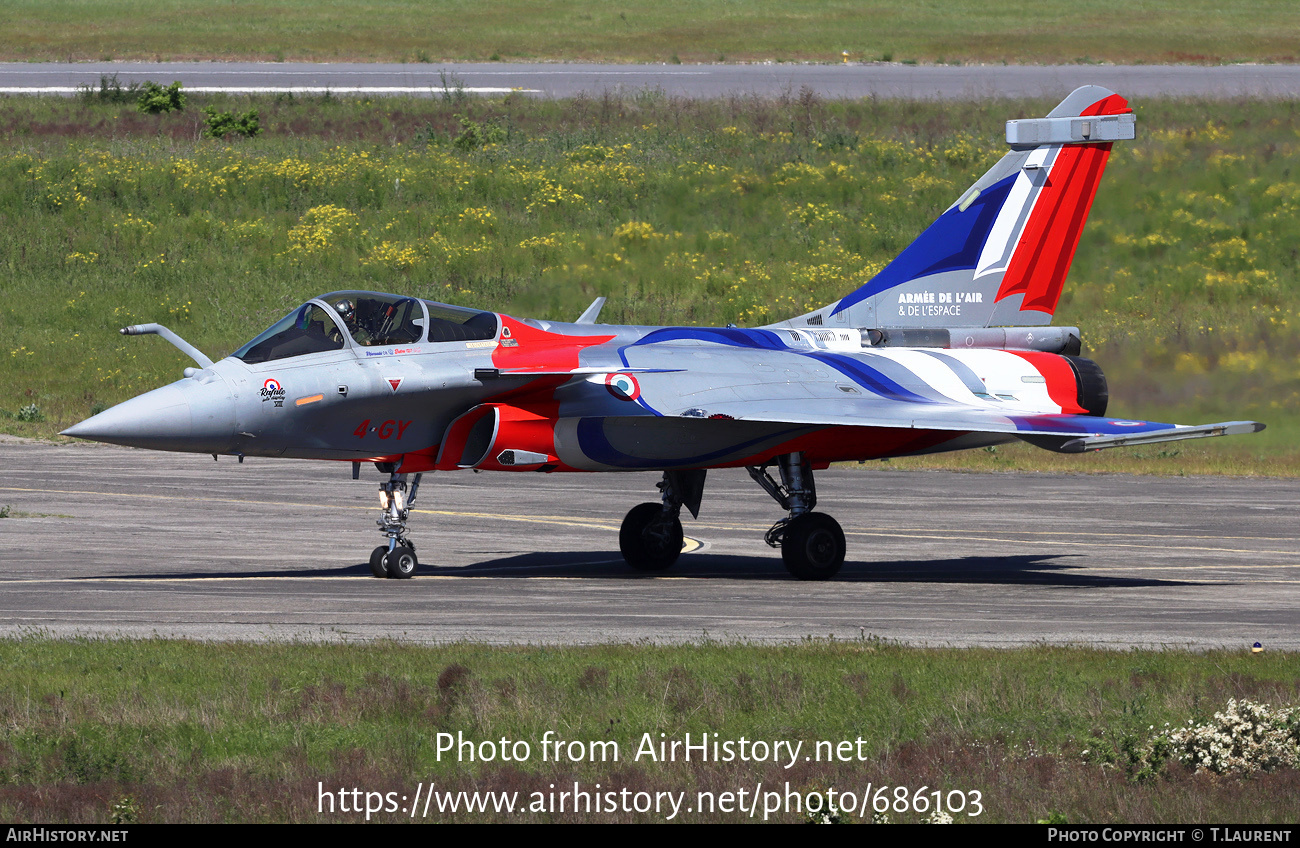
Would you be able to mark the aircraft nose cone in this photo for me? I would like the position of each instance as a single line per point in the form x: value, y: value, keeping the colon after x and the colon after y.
x: 185, y: 416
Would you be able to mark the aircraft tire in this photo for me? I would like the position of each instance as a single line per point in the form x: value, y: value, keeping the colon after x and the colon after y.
x: 645, y: 546
x: 813, y: 546
x: 401, y: 562
x: 377, y: 561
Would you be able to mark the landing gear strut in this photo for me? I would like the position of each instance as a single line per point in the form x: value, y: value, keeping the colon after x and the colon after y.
x: 397, y: 558
x: 812, y: 543
x: 651, y: 536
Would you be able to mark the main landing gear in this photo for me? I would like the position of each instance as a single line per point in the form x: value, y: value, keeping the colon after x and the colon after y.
x: 812, y: 543
x: 651, y: 536
x: 397, y: 558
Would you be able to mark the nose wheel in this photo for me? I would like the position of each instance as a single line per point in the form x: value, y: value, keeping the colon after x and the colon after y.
x: 377, y: 556
x: 399, y: 563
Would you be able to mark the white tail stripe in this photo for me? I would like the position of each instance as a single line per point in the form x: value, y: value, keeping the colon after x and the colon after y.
x: 1015, y: 212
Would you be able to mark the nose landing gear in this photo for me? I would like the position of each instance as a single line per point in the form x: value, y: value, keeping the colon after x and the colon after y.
x: 397, y: 558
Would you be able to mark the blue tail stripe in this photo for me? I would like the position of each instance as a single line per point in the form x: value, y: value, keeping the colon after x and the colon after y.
x: 952, y: 243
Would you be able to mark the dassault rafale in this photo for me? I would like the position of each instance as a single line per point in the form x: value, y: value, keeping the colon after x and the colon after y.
x: 947, y: 348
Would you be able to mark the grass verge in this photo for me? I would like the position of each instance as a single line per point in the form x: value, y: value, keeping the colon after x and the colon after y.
x: 178, y: 731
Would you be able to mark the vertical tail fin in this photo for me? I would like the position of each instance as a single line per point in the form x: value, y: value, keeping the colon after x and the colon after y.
x: 999, y: 255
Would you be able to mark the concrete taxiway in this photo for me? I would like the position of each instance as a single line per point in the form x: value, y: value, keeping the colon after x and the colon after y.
x: 118, y: 542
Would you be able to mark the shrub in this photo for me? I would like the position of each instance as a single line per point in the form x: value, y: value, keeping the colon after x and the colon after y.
x: 154, y: 99
x: 1246, y: 738
x: 474, y: 135
x: 222, y: 124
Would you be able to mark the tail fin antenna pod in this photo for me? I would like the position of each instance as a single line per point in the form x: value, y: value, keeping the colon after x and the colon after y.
x: 999, y: 255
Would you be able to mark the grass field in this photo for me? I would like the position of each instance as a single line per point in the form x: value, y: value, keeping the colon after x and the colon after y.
x: 1045, y: 31
x: 175, y: 731
x: 739, y: 210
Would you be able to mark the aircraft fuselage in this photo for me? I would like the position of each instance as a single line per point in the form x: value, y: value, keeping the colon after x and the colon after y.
x: 533, y: 395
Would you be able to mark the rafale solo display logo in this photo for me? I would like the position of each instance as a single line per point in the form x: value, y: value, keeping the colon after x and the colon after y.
x: 273, y: 391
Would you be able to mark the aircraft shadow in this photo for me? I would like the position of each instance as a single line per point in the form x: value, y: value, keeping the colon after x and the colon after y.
x: 1035, y: 569
x: 359, y: 570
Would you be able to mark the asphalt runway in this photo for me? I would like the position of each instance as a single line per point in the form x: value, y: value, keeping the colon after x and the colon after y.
x: 117, y: 542
x: 887, y: 81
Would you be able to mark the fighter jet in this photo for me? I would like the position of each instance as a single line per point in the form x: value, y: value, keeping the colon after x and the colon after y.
x: 947, y: 348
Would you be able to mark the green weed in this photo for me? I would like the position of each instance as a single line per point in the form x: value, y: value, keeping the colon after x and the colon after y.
x: 110, y: 90
x: 222, y: 124
x: 125, y: 811
x: 30, y: 413
x: 156, y: 100
x: 474, y: 134
x: 453, y: 88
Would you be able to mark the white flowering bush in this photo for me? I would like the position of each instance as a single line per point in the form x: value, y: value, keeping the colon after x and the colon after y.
x: 1245, y: 738
x: 828, y: 814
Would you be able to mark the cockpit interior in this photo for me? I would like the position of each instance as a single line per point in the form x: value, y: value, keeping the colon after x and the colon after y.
x: 366, y: 319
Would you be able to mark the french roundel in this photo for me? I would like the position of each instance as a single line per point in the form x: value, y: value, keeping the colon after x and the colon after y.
x: 272, y: 384
x: 623, y: 386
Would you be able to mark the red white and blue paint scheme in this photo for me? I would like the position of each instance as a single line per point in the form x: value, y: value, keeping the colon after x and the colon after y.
x: 947, y: 348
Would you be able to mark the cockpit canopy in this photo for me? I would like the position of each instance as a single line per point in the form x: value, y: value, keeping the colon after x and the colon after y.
x: 366, y: 319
